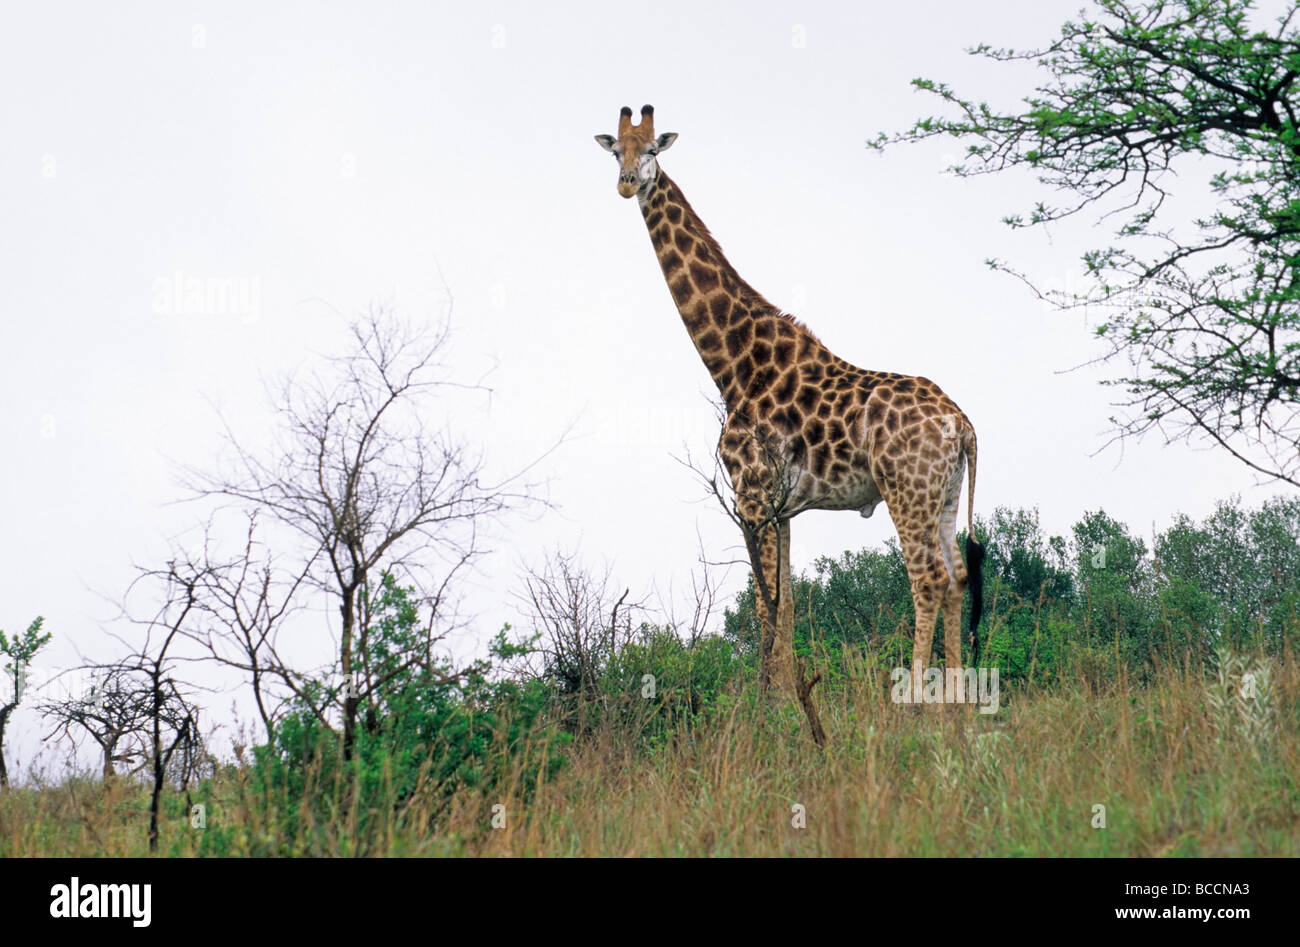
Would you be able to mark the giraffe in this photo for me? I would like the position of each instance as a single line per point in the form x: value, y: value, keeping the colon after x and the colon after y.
x: 806, y: 430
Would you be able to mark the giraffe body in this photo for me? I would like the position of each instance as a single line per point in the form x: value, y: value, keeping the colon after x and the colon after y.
x: 805, y: 429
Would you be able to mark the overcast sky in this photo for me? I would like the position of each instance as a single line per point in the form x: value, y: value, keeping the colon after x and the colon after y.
x: 327, y: 156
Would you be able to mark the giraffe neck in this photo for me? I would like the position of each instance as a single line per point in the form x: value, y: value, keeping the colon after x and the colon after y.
x: 731, y: 324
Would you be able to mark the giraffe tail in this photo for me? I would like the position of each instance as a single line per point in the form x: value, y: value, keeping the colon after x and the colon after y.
x: 974, y: 549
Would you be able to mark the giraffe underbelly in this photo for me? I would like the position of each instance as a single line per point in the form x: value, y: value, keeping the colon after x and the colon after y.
x: 856, y: 490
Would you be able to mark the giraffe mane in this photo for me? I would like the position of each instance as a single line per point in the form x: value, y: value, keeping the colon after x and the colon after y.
x: 755, y: 298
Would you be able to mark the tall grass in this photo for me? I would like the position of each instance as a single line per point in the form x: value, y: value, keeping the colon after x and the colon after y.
x: 1184, y: 764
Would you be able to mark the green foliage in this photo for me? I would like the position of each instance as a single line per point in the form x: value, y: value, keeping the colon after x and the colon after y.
x: 1208, y: 321
x: 1024, y: 563
x: 20, y: 651
x: 428, y: 732
x: 863, y: 598
x: 657, y: 685
x: 1095, y: 605
x: 1175, y: 669
x: 1027, y: 583
x: 1237, y: 573
x: 1114, y: 580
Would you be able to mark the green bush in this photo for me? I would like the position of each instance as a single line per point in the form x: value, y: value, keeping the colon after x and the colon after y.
x: 657, y: 684
x: 426, y: 733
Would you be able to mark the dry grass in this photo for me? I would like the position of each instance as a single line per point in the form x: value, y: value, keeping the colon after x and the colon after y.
x: 1184, y: 766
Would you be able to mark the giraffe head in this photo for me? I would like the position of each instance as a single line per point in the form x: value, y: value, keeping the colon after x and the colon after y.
x: 635, y: 148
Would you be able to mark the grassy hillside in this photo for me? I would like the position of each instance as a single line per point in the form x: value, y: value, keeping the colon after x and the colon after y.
x: 1184, y: 765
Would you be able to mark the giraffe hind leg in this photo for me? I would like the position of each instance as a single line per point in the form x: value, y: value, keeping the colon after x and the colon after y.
x: 956, y: 569
x: 928, y: 578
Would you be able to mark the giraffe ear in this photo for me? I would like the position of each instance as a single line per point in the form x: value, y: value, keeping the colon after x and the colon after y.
x: 665, y: 141
x: 605, y: 141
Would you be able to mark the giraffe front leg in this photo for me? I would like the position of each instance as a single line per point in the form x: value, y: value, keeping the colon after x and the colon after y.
x: 783, y: 646
x: 769, y: 550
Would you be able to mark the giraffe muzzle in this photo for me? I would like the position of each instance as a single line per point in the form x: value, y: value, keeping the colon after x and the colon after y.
x: 628, y: 184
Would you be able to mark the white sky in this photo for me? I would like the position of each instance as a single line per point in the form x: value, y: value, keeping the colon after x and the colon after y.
x: 334, y: 155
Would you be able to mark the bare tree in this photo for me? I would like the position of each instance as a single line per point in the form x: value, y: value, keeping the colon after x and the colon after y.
x: 170, y: 713
x: 703, y: 602
x: 250, y: 598
x: 114, y: 714
x: 117, y: 714
x: 361, y: 477
x: 579, y: 620
x: 149, y: 706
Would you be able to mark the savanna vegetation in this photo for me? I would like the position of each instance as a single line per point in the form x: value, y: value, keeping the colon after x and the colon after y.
x: 1149, y: 694
x: 1154, y: 680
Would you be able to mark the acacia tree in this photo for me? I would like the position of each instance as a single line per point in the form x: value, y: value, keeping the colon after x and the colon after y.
x: 363, y: 479
x: 1207, y: 322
